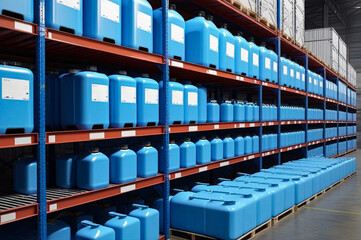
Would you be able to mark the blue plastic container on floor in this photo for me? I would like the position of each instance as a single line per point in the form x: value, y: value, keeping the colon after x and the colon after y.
x: 249, y: 109
x: 188, y: 155
x: 149, y: 221
x: 93, y: 231
x: 52, y: 102
x: 58, y: 230
x: 202, y: 104
x: 265, y: 63
x: 125, y: 227
x: 202, y: 42
x: 123, y: 101
x: 25, y: 176
x: 255, y: 144
x: 65, y: 15
x: 147, y: 101
x: 239, y: 111
x: 102, y: 20
x: 92, y: 170
x: 248, y: 145
x: 176, y: 33
x: 84, y: 100
x: 217, y: 149
x: 65, y: 167
x: 228, y: 147
x: 17, y: 100
x: 176, y: 103
x: 190, y: 104
x: 242, y: 57
x: 227, y: 111
x: 213, y: 112
x: 203, y: 151
x: 23, y: 9
x: 147, y: 161
x: 239, y: 146
x: 254, y: 67
x: 123, y: 165
x: 226, y: 49
x: 174, y: 157
x: 137, y: 25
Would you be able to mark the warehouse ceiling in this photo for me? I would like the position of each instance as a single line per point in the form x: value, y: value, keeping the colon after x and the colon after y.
x: 345, y: 17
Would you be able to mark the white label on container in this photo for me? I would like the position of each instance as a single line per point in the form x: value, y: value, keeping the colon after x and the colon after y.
x: 321, y: 84
x: 52, y: 139
x: 178, y: 175
x: 255, y: 59
x: 310, y: 80
x: 315, y: 82
x: 144, y: 22
x: 128, y: 94
x: 53, y: 207
x: 130, y: 133
x: 127, y: 188
x: 298, y: 75
x: 100, y: 93
x: 192, y: 99
x: 70, y: 3
x: 275, y: 67
x: 176, y: 64
x: 8, y: 217
x: 292, y: 72
x: 22, y: 140
x: 15, y: 89
x: 151, y: 96
x: 202, y: 169
x: 24, y: 27
x: 223, y: 164
x: 193, y: 128
x: 303, y: 77
x: 213, y: 43
x: 285, y: 70
x: 267, y: 63
x: 244, y: 55
x: 177, y: 97
x: 99, y: 135
x: 110, y: 10
x: 177, y: 33
x: 230, y: 49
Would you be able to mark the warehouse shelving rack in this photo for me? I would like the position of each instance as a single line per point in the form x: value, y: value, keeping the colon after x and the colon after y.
x: 58, y: 46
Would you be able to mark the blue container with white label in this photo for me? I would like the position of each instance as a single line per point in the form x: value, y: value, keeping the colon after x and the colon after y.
x: 176, y: 38
x: 84, y: 100
x: 147, y: 161
x: 149, y: 221
x: 228, y: 147
x: 216, y: 149
x: 102, y: 20
x: 255, y: 113
x: 274, y: 66
x: 265, y: 63
x: 303, y: 78
x: 310, y: 81
x: 25, y: 176
x: 147, y: 101
x: 254, y: 59
x: 52, y: 102
x: 255, y: 144
x: 65, y: 167
x: 284, y: 77
x: 176, y: 103
x: 202, y: 104
x: 123, y: 165
x: 22, y: 9
x: 248, y: 145
x: 16, y: 87
x: 226, y: 49
x: 292, y: 82
x: 202, y: 41
x: 239, y: 146
x: 227, y: 111
x: 92, y: 170
x: 242, y: 56
x: 137, y: 25
x: 65, y: 15
x: 239, y: 111
x: 93, y: 231
x: 249, y: 109
x: 190, y: 104
x: 174, y: 157
x: 213, y: 112
x: 188, y: 155
x: 203, y: 151
x: 125, y: 227
x: 123, y: 101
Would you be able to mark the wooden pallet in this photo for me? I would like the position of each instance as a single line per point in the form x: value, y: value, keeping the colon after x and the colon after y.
x: 304, y: 203
x: 288, y: 38
x: 234, y: 3
x: 268, y: 24
x: 282, y: 216
x: 249, y: 12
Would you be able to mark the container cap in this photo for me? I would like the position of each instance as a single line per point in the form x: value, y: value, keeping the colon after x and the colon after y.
x: 263, y: 44
x: 251, y: 39
x: 172, y: 7
x: 210, y: 18
x: 216, y: 137
x: 123, y: 72
x: 239, y: 34
x: 203, y: 138
x: 74, y: 70
x: 92, y: 68
x: 147, y: 144
x: 124, y: 147
x: 172, y: 141
x: 201, y: 14
x: 95, y: 150
x: 213, y: 101
x: 224, y: 25
x: 228, y: 135
x: 145, y: 75
x: 187, y: 140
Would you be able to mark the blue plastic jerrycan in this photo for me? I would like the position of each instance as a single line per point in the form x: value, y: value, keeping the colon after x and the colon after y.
x: 149, y: 221
x: 242, y: 56
x: 123, y: 165
x: 202, y: 104
x: 310, y: 81
x: 226, y: 49
x: 65, y: 15
x: 255, y: 112
x: 25, y: 176
x: 213, y: 112
x: 239, y: 146
x: 147, y: 158
x: 17, y: 100
x: 125, y: 227
x: 57, y: 229
x: 254, y: 67
x: 239, y: 111
x: 228, y: 147
x: 52, y: 102
x: 137, y: 25
x: 159, y: 205
x: 265, y: 63
x: 202, y: 41
x: 84, y: 100
x: 188, y: 155
x: 274, y: 66
x: 217, y: 149
x: 123, y: 100
x: 292, y: 77
x: 66, y: 171
x: 227, y: 111
x: 248, y: 145
x: 249, y: 109
x: 92, y: 170
x: 285, y: 72
x: 255, y: 144
x: 22, y: 9
x: 100, y: 212
x: 174, y: 157
x: 102, y: 20
x: 190, y: 104
x: 176, y: 36
x: 176, y: 103
x: 93, y: 231
x: 147, y: 101
x: 203, y: 151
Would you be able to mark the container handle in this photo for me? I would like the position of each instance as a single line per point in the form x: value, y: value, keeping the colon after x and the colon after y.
x: 200, y: 183
x: 89, y: 224
x: 119, y: 215
x: 229, y: 193
x: 269, y: 184
x: 223, y: 179
x: 240, y: 174
x: 290, y: 168
x: 261, y: 189
x: 214, y: 200
x: 288, y: 173
x: 140, y: 206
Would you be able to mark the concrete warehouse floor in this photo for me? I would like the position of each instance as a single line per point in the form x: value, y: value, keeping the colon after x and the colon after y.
x: 334, y: 216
